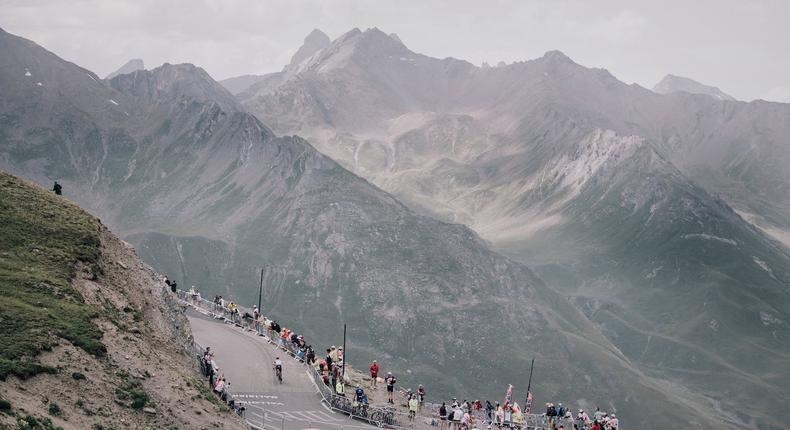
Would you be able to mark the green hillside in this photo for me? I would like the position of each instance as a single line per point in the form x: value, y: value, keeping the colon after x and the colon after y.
x: 43, y: 239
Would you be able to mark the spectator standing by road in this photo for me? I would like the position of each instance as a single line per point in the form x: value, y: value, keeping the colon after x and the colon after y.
x: 390, y: 381
x: 414, y: 405
x: 374, y: 372
x: 458, y: 414
x: 309, y: 355
x: 329, y: 358
x: 598, y: 415
x: 442, y: 416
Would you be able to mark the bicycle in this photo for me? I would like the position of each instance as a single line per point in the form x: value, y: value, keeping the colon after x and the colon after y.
x: 238, y: 408
x: 382, y: 417
x: 341, y: 403
x: 278, y: 371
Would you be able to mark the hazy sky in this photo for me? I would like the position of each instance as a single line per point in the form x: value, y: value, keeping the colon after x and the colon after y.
x: 741, y: 46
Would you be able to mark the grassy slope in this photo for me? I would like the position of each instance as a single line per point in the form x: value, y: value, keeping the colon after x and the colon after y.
x: 42, y: 240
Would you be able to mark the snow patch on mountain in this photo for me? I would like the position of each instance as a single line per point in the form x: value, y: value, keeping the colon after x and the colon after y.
x: 705, y: 236
x: 768, y: 319
x: 763, y: 265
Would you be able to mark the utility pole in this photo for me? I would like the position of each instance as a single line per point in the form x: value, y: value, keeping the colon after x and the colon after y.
x: 345, y: 353
x: 260, y: 291
x: 528, y: 402
x: 531, y: 367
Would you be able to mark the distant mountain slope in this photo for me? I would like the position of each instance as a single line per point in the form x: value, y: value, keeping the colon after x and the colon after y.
x: 238, y: 84
x: 90, y: 338
x: 210, y: 195
x: 673, y: 84
x: 132, y: 65
x: 593, y: 180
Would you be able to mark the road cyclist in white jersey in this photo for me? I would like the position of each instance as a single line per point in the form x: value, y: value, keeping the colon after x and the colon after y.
x: 278, y: 369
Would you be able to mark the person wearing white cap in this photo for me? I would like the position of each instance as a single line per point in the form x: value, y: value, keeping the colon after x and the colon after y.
x: 614, y: 423
x: 390, y: 381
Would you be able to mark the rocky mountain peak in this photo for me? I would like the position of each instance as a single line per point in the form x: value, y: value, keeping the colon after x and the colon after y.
x: 173, y: 81
x: 314, y: 42
x: 369, y: 47
x: 372, y: 39
x: 673, y: 84
x: 132, y: 65
x: 557, y: 57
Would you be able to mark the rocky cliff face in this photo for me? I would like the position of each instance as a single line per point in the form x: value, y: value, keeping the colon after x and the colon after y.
x: 210, y: 195
x: 91, y: 338
x: 606, y: 188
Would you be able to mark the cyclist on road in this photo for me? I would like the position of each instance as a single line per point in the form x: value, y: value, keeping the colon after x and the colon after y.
x: 278, y: 367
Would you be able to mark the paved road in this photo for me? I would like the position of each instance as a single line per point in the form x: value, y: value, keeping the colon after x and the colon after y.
x: 246, y: 361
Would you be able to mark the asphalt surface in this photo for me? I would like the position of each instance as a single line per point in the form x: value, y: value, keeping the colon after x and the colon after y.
x: 247, y: 361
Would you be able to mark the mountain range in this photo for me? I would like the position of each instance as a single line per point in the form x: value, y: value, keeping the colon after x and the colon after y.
x: 664, y: 217
x: 657, y: 220
x: 210, y: 195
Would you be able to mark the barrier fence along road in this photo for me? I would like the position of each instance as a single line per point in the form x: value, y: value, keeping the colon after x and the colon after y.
x: 380, y: 416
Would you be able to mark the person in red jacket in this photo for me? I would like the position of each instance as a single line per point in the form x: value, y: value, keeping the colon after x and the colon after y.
x: 374, y: 372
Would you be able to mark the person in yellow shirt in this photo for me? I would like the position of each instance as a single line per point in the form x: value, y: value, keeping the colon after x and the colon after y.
x: 414, y: 405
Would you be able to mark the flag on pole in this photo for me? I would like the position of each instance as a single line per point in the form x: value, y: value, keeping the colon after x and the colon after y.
x: 528, y: 405
x: 509, y: 394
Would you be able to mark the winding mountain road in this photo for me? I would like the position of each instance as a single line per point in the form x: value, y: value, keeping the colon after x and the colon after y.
x: 246, y: 360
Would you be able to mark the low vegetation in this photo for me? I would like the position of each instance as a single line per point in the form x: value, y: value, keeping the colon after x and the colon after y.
x: 32, y: 423
x: 54, y: 409
x: 5, y: 406
x: 43, y: 240
x: 131, y: 390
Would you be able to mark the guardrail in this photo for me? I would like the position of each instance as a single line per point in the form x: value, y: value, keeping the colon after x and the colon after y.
x: 380, y: 416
